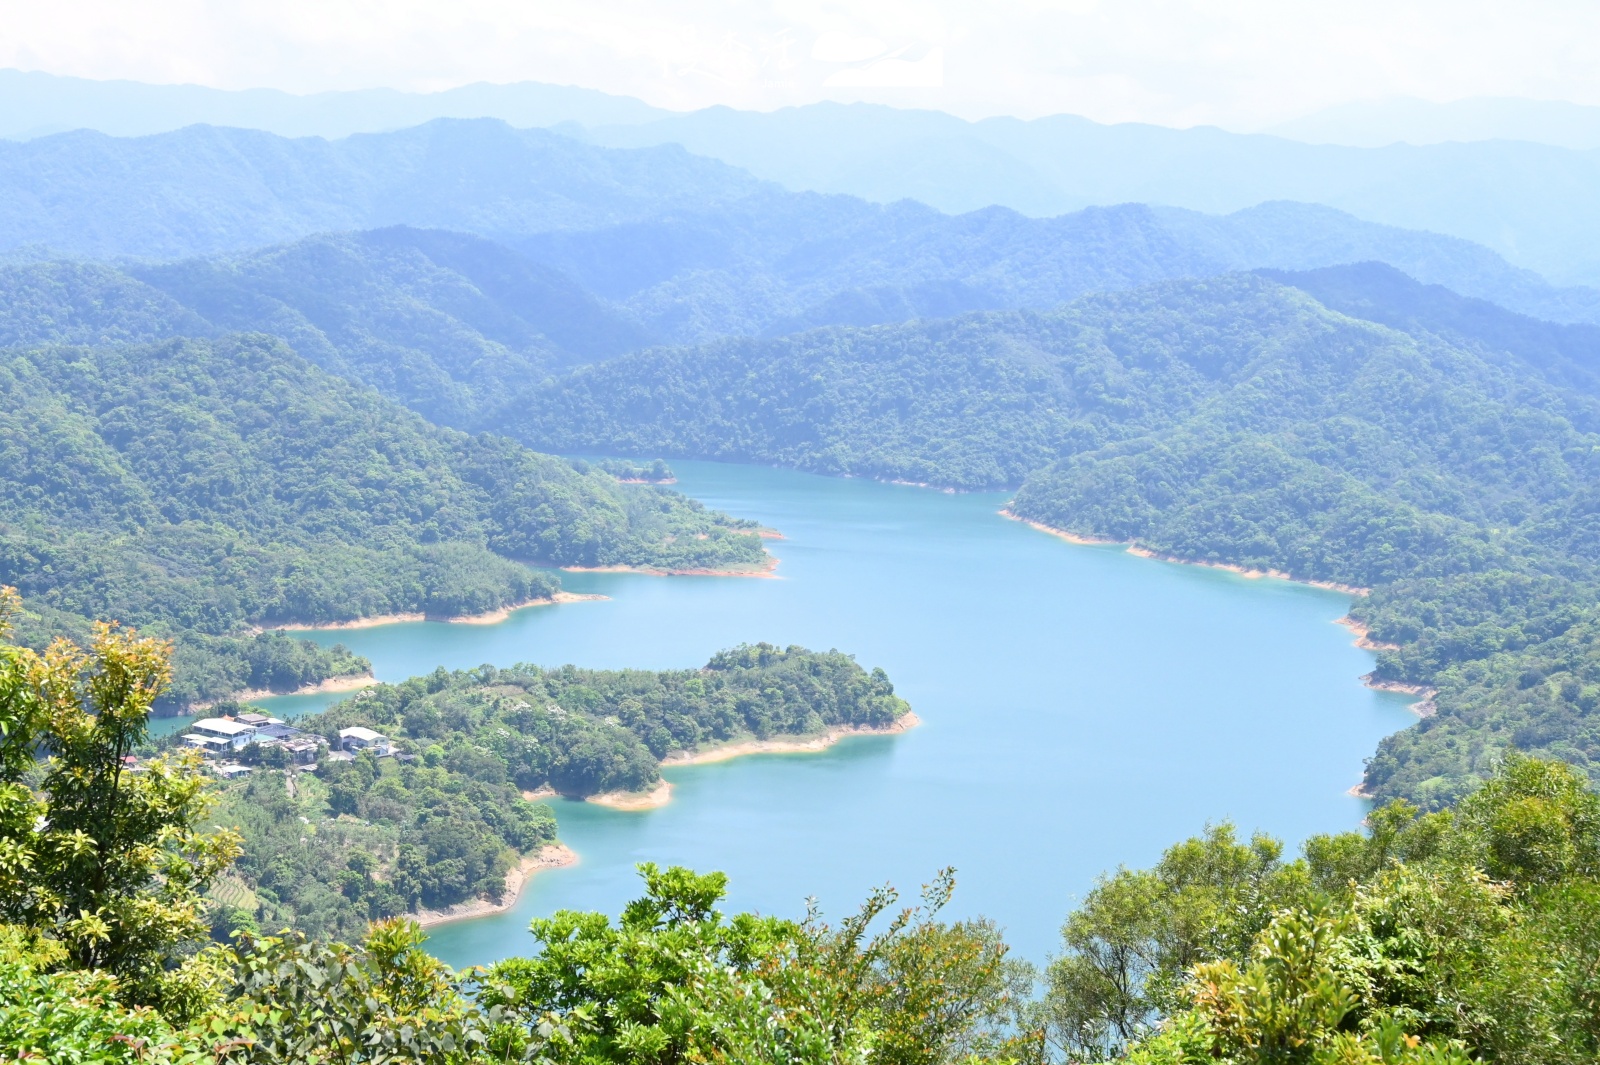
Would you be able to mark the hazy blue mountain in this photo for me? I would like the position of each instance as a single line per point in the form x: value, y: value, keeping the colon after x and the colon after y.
x: 1375, y: 123
x: 777, y: 265
x: 450, y: 323
x: 205, y: 189
x: 36, y: 104
x: 694, y: 247
x: 1537, y: 205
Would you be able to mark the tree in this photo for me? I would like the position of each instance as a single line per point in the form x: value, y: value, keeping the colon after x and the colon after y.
x: 103, y: 857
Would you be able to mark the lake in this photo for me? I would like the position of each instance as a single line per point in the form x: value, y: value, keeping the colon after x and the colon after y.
x: 1082, y: 707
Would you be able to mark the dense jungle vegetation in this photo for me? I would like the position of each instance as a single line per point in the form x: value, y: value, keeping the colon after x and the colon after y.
x: 356, y: 841
x: 1427, y: 939
x: 1445, y: 460
x: 200, y: 487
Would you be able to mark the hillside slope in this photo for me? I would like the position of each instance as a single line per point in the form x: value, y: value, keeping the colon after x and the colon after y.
x: 200, y: 487
x: 1231, y: 420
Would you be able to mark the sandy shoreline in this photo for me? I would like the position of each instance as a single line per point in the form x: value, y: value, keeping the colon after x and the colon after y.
x: 332, y: 684
x: 789, y: 745
x: 492, y: 617
x: 764, y: 571
x: 1144, y: 552
x: 1423, y: 707
x: 550, y: 856
x: 1363, y: 635
x: 661, y: 794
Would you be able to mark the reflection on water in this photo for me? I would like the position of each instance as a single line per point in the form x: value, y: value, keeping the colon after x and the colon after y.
x: 1082, y: 708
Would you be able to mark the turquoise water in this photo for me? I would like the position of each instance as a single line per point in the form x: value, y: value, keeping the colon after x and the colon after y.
x: 1082, y: 708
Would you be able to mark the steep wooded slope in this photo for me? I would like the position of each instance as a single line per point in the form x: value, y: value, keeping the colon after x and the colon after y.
x: 197, y: 487
x: 1233, y: 420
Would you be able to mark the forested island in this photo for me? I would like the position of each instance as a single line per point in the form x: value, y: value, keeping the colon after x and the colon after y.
x: 205, y: 488
x: 445, y: 813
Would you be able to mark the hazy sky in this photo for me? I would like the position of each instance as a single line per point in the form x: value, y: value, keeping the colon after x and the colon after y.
x: 1239, y: 63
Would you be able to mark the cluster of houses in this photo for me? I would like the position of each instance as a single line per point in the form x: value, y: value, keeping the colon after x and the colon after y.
x: 221, y: 739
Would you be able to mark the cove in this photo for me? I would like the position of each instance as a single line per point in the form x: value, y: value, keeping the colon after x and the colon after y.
x: 1082, y: 708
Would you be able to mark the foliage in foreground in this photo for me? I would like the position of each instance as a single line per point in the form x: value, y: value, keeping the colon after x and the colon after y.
x: 1430, y: 939
x: 1471, y: 934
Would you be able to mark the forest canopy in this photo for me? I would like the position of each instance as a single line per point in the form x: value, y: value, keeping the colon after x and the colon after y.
x: 200, y: 487
x: 442, y: 822
x: 1447, y: 461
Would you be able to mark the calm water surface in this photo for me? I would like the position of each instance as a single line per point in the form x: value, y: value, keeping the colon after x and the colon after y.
x: 1082, y: 708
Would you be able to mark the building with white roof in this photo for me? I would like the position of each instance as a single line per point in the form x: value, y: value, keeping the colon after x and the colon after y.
x: 236, y: 733
x: 360, y: 738
x: 208, y: 744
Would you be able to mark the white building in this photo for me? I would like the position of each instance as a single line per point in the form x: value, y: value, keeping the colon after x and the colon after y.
x: 359, y: 738
x: 211, y: 745
x: 236, y: 733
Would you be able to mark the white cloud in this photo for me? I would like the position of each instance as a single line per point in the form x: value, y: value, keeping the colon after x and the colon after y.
x: 837, y: 47
x: 892, y: 72
x: 1243, y: 63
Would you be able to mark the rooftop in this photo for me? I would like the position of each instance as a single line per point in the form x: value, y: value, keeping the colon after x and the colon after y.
x: 223, y: 726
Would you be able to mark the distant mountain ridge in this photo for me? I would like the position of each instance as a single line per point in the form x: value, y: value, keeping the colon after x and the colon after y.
x: 455, y: 326
x: 205, y: 190
x: 775, y: 265
x: 36, y: 104
x: 1536, y: 204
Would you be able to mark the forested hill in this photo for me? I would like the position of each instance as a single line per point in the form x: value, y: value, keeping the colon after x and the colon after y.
x: 1380, y: 293
x: 438, y: 828
x: 452, y: 325
x: 198, y: 487
x: 444, y: 322
x: 692, y: 247
x: 1235, y: 420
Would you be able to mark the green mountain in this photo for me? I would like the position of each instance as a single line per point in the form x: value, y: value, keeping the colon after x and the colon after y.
x: 200, y: 487
x: 1232, y: 420
x: 443, y: 322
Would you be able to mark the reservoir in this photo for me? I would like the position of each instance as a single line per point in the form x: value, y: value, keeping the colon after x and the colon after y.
x: 1082, y: 708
